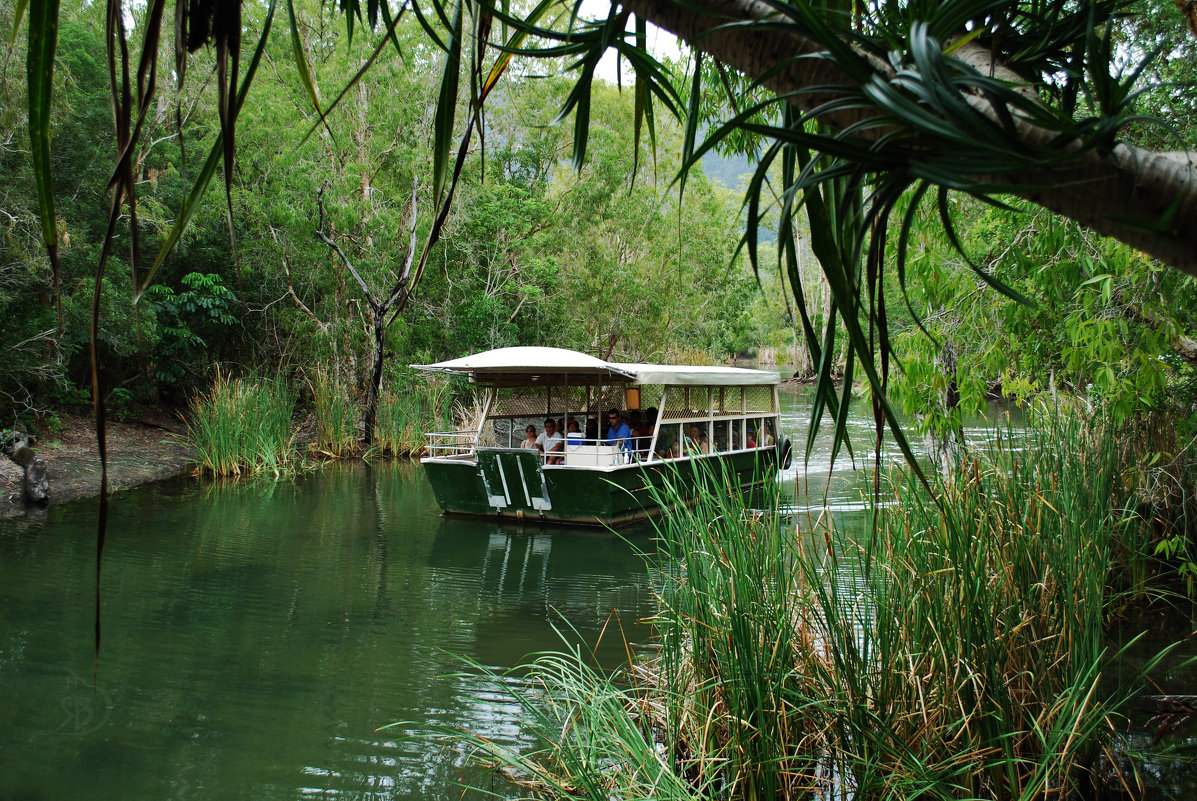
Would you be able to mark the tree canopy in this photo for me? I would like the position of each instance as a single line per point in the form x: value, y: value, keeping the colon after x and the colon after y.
x: 857, y: 117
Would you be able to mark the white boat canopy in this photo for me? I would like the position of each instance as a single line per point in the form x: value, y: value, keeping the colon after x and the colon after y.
x: 531, y: 366
x: 698, y: 375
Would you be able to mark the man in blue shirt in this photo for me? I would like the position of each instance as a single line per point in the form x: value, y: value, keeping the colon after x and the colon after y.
x: 618, y: 432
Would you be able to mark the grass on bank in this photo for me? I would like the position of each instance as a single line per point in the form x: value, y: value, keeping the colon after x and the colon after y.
x: 336, y: 415
x: 954, y: 651
x: 403, y: 417
x: 242, y: 426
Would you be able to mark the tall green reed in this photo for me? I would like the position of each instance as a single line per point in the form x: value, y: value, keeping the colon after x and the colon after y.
x: 953, y: 650
x: 336, y: 415
x: 242, y: 426
x: 404, y: 416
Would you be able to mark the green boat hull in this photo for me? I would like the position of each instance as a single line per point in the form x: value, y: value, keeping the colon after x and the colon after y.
x: 508, y: 484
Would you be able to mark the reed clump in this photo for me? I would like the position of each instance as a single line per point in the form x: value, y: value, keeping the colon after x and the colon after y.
x: 952, y: 649
x: 242, y: 426
x: 404, y: 416
x: 336, y: 415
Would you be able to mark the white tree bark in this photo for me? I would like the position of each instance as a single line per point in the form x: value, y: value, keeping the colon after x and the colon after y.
x: 1147, y: 200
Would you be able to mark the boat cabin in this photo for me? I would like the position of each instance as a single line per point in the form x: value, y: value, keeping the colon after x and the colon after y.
x: 665, y: 417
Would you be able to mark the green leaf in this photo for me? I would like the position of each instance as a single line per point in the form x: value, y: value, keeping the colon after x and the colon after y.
x: 446, y: 107
x: 18, y: 14
x: 692, y: 115
x: 301, y: 59
x: 200, y: 186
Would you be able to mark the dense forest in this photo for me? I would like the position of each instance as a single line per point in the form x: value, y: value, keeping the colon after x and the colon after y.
x: 287, y: 273
x: 532, y: 251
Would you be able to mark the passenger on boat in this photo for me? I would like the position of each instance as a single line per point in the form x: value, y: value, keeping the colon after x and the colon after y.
x: 697, y: 441
x: 573, y: 434
x: 767, y: 435
x: 529, y: 440
x: 592, y: 430
x: 751, y: 436
x: 644, y: 433
x: 550, y: 442
x: 639, y: 443
x: 667, y: 447
x: 721, y: 436
x: 618, y: 432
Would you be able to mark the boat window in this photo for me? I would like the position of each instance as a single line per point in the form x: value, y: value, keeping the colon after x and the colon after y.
x: 697, y: 439
x: 721, y: 441
x: 689, y: 403
x: 668, y: 441
x: 765, y: 428
x: 728, y: 400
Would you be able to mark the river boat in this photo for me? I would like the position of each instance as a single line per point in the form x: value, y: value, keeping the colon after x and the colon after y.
x: 696, y: 422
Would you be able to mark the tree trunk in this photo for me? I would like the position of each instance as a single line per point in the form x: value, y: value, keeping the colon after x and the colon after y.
x: 945, y: 446
x: 375, y: 387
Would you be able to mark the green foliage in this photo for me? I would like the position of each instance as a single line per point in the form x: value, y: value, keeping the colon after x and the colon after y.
x: 1103, y: 322
x: 205, y: 305
x: 336, y: 415
x: 806, y: 662
x: 417, y: 406
x: 242, y: 426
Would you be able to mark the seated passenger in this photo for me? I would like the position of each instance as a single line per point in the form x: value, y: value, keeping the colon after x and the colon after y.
x: 697, y: 441
x: 645, y: 432
x: 551, y: 443
x: 592, y: 430
x: 573, y: 434
x: 618, y: 432
x: 720, y: 437
x: 639, y: 440
x: 667, y: 446
x: 767, y: 438
x: 529, y: 440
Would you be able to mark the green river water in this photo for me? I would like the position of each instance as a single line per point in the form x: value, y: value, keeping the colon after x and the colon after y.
x: 257, y: 634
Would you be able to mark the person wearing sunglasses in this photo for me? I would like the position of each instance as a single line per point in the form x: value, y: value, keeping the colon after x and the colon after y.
x: 618, y: 432
x: 529, y: 440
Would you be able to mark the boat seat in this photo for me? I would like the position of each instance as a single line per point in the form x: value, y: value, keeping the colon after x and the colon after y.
x: 594, y: 455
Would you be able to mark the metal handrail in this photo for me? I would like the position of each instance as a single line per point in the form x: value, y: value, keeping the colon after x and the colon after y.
x: 451, y: 443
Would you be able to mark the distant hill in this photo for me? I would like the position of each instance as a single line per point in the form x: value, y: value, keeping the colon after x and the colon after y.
x: 726, y: 169
x: 731, y: 171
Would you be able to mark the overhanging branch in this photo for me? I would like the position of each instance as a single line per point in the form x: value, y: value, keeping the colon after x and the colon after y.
x: 1147, y: 200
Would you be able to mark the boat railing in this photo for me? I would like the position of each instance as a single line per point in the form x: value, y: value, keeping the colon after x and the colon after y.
x: 451, y: 443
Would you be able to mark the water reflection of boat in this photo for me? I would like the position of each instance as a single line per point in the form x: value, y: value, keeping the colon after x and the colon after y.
x: 694, y: 421
x: 525, y: 586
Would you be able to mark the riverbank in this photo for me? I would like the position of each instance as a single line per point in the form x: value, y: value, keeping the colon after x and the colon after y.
x: 139, y: 451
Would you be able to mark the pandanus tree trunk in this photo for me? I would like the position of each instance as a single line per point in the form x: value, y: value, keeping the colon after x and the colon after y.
x: 1145, y: 199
